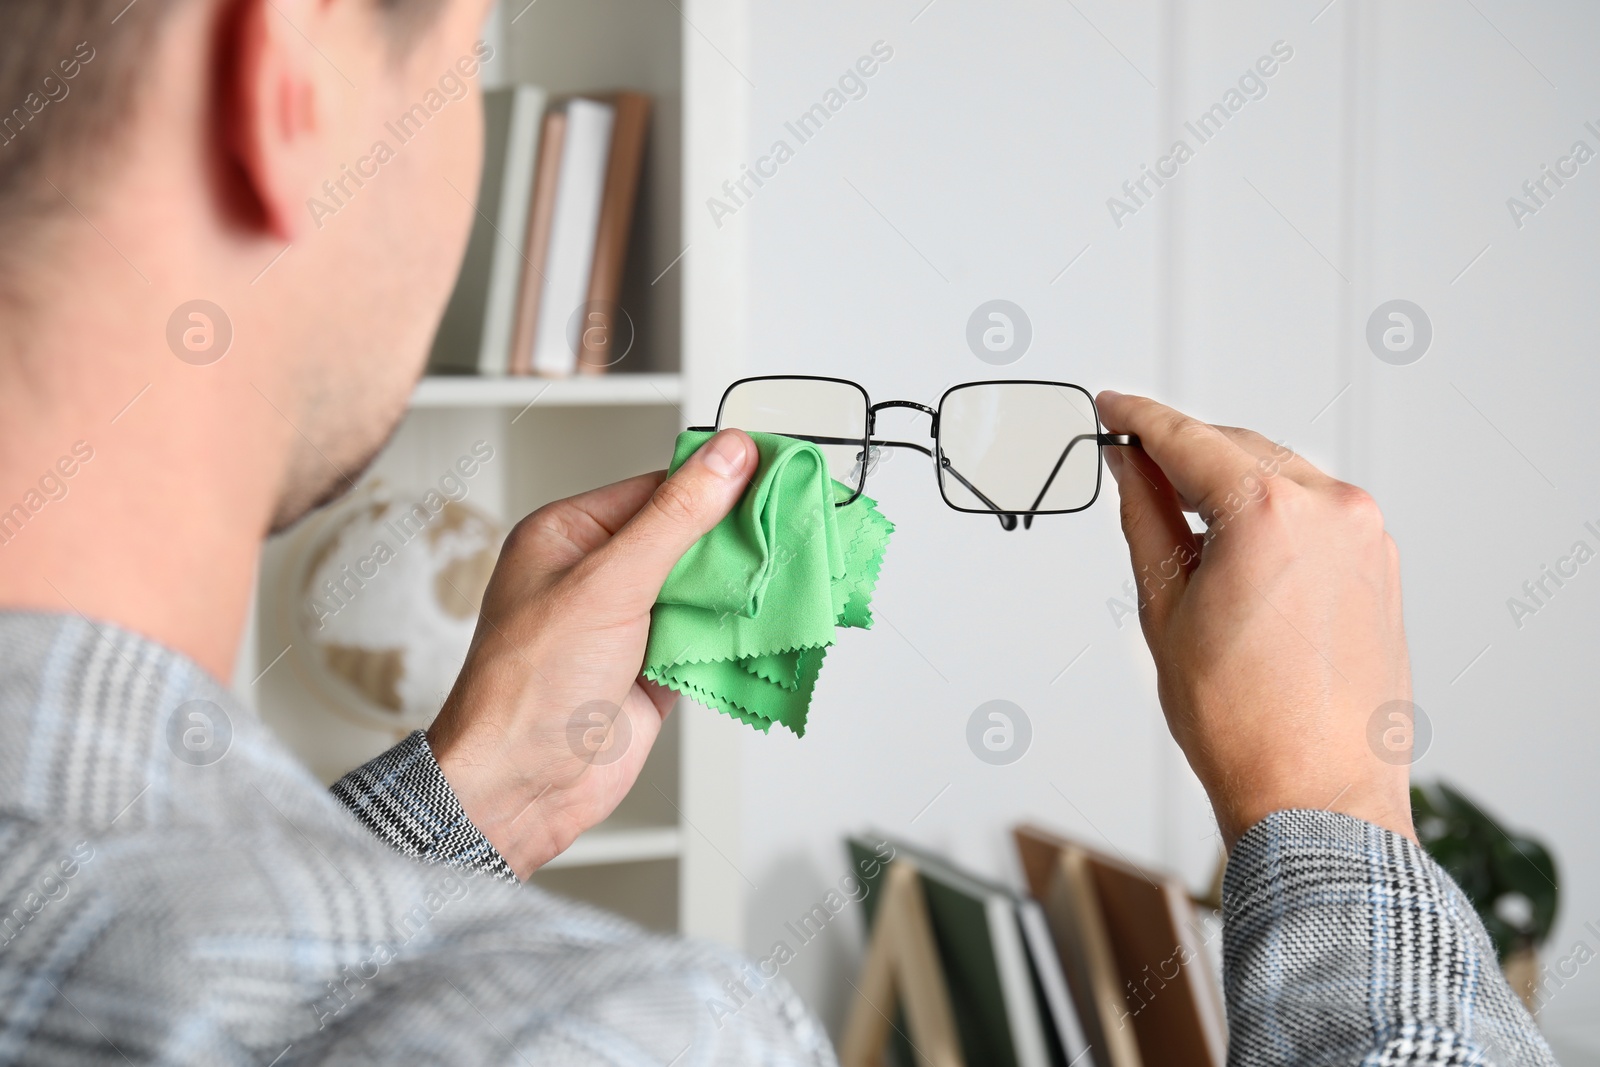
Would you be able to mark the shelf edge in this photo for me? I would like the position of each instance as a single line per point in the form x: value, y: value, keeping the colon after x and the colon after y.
x: 616, y: 390
x: 633, y: 845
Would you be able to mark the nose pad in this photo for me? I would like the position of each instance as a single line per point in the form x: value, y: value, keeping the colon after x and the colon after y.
x: 872, y: 456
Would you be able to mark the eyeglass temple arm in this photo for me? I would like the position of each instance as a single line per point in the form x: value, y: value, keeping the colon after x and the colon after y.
x: 1127, y: 440
x: 1008, y: 521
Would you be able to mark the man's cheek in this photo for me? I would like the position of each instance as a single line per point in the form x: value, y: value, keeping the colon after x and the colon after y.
x: 461, y: 156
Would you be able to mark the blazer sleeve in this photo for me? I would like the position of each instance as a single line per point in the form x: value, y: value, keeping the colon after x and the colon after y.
x: 1344, y: 943
x: 404, y: 799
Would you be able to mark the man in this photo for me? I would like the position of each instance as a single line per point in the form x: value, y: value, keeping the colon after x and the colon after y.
x: 159, y: 908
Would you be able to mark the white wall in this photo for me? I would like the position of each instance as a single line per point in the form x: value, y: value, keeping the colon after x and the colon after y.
x: 1485, y: 452
x: 1377, y: 166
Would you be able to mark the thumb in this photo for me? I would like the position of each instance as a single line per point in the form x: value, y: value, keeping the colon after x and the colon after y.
x: 1162, y: 547
x: 681, y: 511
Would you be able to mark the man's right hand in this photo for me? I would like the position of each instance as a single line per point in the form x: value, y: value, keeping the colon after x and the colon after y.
x: 1277, y: 635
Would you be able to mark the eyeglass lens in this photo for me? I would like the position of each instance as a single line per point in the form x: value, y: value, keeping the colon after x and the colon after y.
x: 831, y: 413
x: 1025, y: 446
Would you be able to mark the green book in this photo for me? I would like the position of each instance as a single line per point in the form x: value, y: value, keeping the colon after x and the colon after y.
x: 992, y: 987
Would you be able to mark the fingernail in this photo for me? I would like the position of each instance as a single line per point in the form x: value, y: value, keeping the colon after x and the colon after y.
x: 724, y: 454
x: 1110, y: 394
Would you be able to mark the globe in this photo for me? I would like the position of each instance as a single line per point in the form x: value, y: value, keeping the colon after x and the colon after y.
x: 389, y: 588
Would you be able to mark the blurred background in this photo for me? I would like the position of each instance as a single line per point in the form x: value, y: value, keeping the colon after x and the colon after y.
x: 1381, y: 253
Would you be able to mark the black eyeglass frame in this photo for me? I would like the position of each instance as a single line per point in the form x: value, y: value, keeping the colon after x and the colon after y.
x: 1008, y: 518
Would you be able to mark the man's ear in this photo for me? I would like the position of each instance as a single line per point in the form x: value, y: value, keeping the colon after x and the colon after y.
x: 278, y: 108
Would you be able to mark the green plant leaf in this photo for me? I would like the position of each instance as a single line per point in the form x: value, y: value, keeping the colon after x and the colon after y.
x: 1422, y: 806
x: 1522, y: 865
x: 1470, y: 815
x: 1488, y: 863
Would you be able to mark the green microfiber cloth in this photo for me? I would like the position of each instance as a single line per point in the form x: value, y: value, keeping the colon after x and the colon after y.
x: 747, y: 614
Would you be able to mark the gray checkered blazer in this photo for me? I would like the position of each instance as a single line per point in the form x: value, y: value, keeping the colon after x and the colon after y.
x: 180, y: 890
x: 176, y: 888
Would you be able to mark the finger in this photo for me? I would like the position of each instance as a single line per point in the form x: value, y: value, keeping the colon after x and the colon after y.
x: 565, y: 531
x: 1273, y: 458
x: 606, y: 510
x: 680, y: 511
x: 1163, y: 549
x: 663, y: 698
x: 1200, y: 461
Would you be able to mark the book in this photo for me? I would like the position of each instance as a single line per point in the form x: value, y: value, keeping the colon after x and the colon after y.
x: 540, y: 215
x: 1058, y: 878
x: 900, y: 974
x: 569, y: 263
x: 626, y: 159
x: 1129, y: 943
x: 977, y: 928
x: 1170, y: 990
x: 474, y: 335
x: 1068, y: 1045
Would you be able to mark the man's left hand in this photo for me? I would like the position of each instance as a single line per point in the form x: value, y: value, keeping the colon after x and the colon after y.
x: 549, y: 722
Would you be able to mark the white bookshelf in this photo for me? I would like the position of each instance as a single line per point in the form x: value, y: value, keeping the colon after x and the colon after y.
x: 605, y: 390
x: 667, y: 856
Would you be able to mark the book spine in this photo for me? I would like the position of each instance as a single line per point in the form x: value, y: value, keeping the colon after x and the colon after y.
x: 537, y: 246
x: 607, y: 336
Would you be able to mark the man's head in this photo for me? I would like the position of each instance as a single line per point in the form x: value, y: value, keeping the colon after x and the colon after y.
x: 305, y: 166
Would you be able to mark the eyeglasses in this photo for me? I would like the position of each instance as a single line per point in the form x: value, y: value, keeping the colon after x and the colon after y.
x: 1005, y: 448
